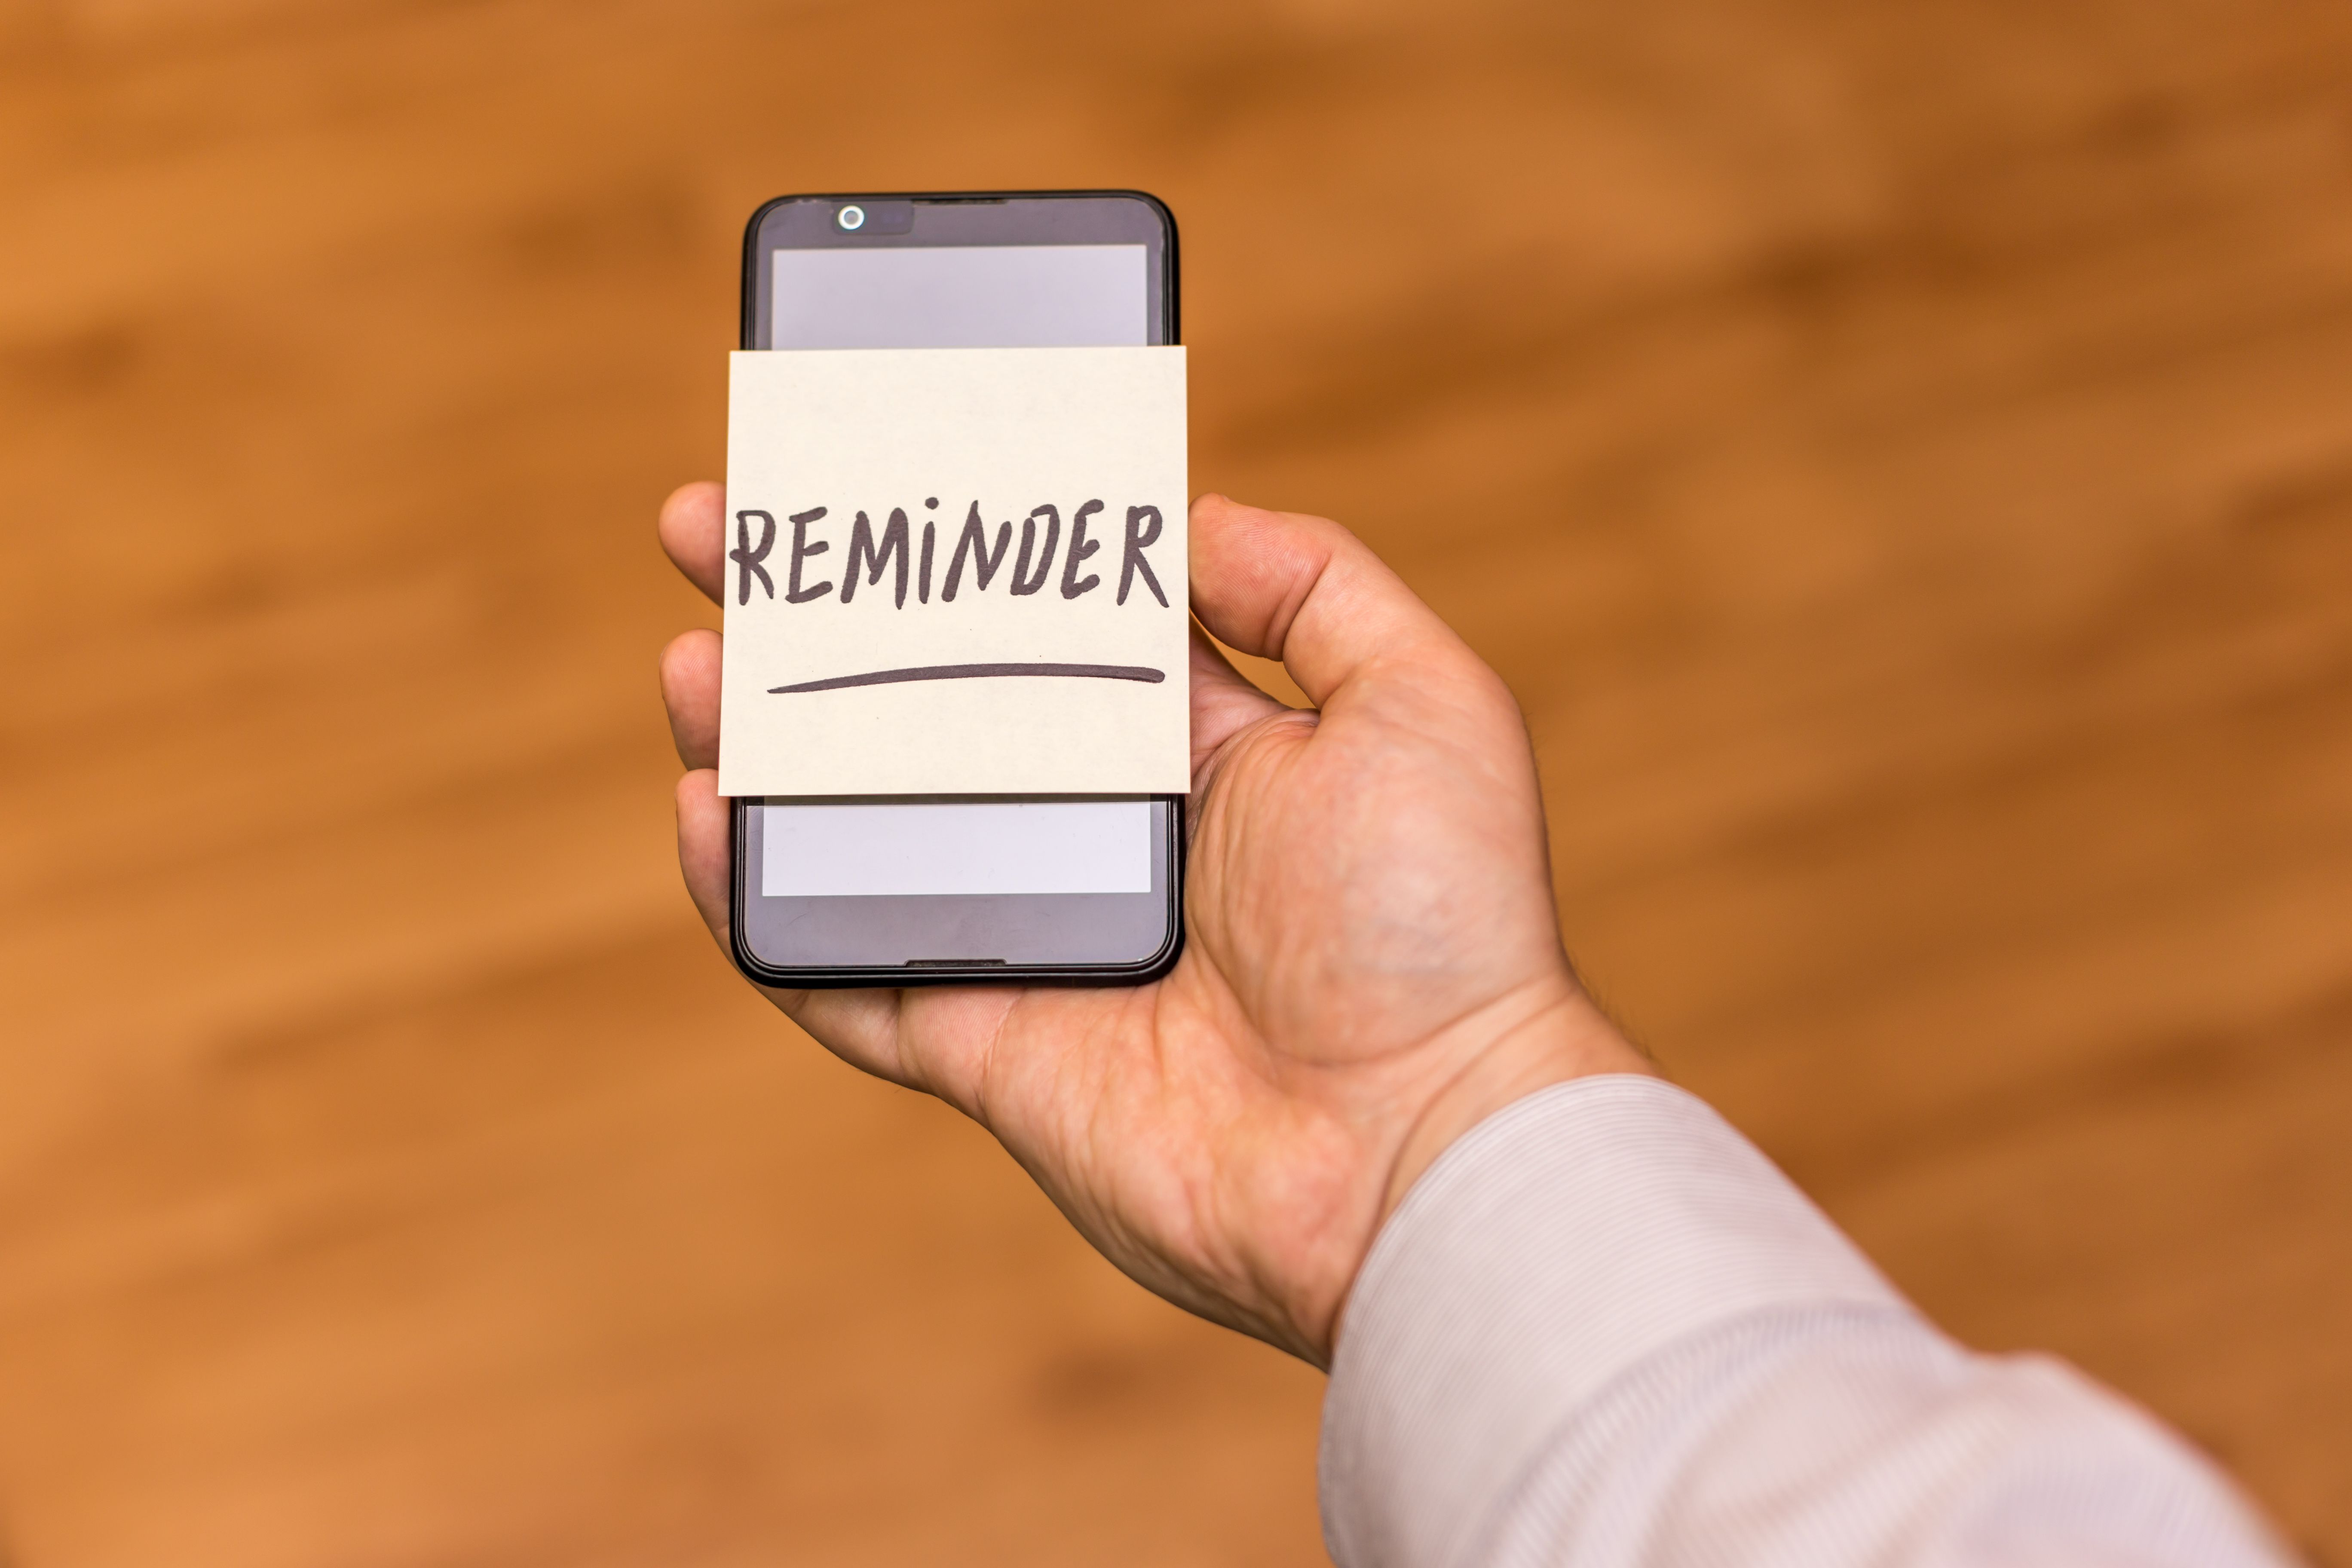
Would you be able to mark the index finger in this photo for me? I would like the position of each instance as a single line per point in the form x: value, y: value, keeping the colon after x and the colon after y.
x: 694, y: 535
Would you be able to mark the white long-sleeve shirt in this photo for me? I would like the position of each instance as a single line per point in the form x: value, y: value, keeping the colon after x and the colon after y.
x: 1602, y: 1329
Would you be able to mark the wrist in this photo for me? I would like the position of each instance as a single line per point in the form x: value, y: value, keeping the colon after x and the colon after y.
x: 1553, y: 1039
x: 1502, y: 1054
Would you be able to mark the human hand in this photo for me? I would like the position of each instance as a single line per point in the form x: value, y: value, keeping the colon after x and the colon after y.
x: 1372, y: 961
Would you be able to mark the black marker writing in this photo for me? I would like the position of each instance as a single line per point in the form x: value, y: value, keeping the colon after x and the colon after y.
x: 1080, y: 548
x: 1022, y: 583
x: 984, y: 561
x: 861, y: 547
x: 748, y: 559
x: 1132, y: 559
x: 894, y: 549
x: 801, y: 551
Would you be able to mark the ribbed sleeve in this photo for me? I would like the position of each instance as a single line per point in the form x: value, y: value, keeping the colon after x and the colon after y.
x: 1603, y: 1328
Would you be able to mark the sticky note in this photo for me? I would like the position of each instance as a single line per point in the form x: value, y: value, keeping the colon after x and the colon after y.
x: 955, y: 571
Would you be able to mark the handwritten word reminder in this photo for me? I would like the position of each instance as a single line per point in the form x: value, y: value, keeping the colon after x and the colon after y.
x: 956, y: 572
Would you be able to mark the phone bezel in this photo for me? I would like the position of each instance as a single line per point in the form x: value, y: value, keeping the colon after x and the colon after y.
x: 822, y: 977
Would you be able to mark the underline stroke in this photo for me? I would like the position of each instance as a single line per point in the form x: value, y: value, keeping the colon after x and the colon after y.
x: 973, y: 671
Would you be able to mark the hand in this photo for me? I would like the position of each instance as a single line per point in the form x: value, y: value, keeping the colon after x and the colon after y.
x: 1372, y: 961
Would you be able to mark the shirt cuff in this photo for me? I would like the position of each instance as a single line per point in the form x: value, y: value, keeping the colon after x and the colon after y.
x: 1555, y: 1245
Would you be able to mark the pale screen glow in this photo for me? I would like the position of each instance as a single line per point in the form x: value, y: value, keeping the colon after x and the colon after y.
x: 922, y: 848
x: 960, y: 297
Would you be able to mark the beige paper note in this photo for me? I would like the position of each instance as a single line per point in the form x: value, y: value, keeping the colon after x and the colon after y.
x: 956, y: 572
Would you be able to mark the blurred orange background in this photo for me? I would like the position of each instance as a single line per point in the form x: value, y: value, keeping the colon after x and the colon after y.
x: 1901, y: 456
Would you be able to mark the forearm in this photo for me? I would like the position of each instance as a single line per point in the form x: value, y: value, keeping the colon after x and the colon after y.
x: 1604, y: 1329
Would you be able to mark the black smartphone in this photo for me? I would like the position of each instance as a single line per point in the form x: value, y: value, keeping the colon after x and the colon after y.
x: 1066, y: 889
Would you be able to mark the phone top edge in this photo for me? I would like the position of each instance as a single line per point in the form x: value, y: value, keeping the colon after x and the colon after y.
x: 1107, y: 194
x: 747, y: 325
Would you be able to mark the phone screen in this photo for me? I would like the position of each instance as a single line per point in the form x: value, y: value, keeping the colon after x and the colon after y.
x: 960, y: 297
x: 962, y: 881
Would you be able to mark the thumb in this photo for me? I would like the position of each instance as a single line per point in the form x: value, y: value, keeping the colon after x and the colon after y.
x: 1304, y: 590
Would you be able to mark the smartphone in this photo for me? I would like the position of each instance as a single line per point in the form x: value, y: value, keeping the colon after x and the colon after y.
x: 1062, y: 890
